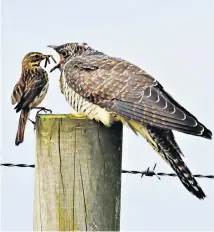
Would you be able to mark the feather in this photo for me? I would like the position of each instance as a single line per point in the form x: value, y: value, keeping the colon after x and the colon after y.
x: 123, y: 88
x: 163, y: 142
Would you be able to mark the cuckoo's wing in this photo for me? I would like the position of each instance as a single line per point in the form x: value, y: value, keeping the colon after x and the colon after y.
x: 32, y: 88
x: 125, y: 89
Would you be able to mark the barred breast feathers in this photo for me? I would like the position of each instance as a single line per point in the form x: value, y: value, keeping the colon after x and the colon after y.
x: 83, y: 106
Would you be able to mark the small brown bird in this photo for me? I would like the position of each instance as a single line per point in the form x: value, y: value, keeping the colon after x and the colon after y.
x: 30, y: 90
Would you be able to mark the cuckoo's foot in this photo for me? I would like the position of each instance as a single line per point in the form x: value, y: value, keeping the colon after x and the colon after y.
x: 34, y: 123
x: 78, y: 116
x: 40, y: 109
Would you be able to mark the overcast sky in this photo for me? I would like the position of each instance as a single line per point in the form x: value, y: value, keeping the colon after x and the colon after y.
x: 173, y: 40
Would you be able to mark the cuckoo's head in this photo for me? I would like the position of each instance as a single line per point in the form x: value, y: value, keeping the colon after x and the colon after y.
x: 70, y: 50
x: 33, y: 59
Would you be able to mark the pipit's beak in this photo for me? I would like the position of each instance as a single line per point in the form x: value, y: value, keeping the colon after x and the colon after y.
x: 43, y: 57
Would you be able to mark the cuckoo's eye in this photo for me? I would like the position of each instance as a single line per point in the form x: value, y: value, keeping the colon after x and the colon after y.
x: 64, y: 53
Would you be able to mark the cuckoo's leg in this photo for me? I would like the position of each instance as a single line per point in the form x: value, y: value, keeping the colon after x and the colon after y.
x: 78, y: 116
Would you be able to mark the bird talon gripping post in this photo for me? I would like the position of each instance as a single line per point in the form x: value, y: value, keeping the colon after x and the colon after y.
x: 78, y: 116
x: 43, y: 109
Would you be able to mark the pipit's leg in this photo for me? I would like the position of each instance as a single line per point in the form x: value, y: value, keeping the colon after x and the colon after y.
x: 34, y: 123
x: 78, y: 116
x: 31, y: 121
x: 42, y: 109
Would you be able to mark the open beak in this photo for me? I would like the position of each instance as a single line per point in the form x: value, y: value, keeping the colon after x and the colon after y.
x: 55, y: 67
x: 52, y: 46
x: 60, y: 62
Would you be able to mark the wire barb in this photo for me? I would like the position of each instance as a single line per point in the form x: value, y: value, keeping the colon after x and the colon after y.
x: 150, y: 173
x: 147, y: 172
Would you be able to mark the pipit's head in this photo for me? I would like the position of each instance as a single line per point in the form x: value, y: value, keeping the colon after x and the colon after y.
x: 70, y: 50
x: 33, y: 59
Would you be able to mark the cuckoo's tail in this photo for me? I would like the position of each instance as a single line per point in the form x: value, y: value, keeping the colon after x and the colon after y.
x: 21, y: 127
x: 163, y: 142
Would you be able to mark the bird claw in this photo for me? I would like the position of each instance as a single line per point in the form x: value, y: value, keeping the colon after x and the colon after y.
x: 31, y: 121
x: 34, y: 123
x: 43, y: 109
x: 78, y: 116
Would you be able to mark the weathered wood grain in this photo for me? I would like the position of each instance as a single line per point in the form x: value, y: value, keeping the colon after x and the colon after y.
x: 77, y: 175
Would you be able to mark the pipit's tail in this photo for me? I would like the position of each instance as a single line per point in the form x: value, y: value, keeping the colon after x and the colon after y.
x: 21, y: 127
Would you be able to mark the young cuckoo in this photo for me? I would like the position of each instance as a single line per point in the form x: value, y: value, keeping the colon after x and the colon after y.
x: 110, y: 89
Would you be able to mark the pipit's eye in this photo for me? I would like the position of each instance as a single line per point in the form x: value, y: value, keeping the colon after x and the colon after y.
x: 64, y: 53
x: 37, y: 57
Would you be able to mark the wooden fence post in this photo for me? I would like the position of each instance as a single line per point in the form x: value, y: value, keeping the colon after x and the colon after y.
x: 77, y: 175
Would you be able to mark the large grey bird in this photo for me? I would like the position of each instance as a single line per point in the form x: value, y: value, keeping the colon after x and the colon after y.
x: 110, y: 89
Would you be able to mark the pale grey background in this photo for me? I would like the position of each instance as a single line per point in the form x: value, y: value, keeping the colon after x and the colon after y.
x: 171, y: 39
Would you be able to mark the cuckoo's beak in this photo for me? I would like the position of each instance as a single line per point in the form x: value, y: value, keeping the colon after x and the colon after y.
x: 55, y: 67
x: 52, y: 46
x: 60, y: 62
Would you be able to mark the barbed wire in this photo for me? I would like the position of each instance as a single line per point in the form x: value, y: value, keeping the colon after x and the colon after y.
x: 147, y: 172
x: 18, y: 165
